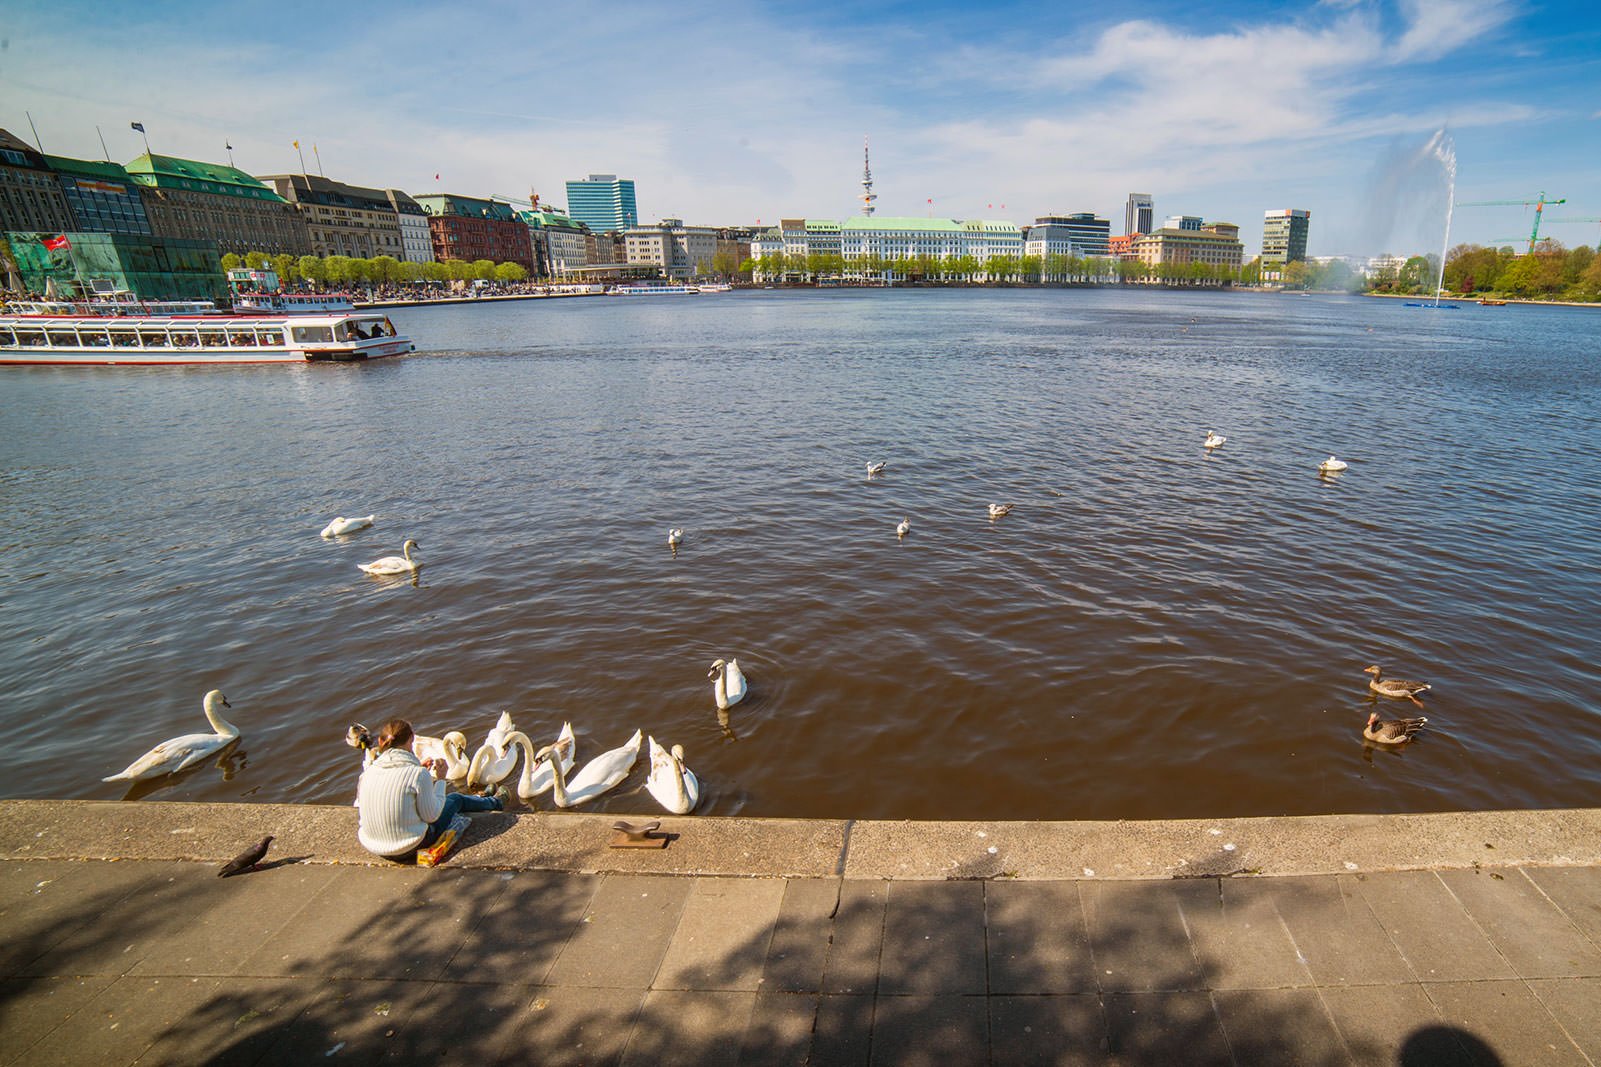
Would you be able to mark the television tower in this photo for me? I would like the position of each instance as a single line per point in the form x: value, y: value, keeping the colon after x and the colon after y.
x: 868, y: 196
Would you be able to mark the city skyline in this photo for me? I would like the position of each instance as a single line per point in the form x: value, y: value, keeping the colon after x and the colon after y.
x: 1003, y: 113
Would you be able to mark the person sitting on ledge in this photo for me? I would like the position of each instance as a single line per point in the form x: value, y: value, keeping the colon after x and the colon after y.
x: 403, y: 804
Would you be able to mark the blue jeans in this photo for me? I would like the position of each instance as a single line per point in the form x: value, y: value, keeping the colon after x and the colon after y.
x: 456, y: 803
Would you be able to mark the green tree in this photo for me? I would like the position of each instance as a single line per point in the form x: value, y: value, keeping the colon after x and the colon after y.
x: 510, y: 272
x: 336, y: 269
x: 312, y: 269
x: 384, y: 269
x: 229, y: 262
x: 283, y: 264
x: 435, y: 271
x: 483, y: 270
x: 256, y: 260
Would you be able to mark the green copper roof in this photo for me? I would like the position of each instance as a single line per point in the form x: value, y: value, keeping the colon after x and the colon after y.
x: 885, y: 223
x: 92, y: 168
x: 541, y: 219
x: 170, y: 172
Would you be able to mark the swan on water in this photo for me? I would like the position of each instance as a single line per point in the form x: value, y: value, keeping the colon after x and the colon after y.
x: 537, y: 777
x: 903, y: 528
x: 728, y: 685
x: 597, y: 776
x: 452, y: 748
x: 180, y: 752
x: 875, y: 469
x: 496, y: 758
x: 1332, y: 465
x: 674, y: 785
x: 342, y: 525
x: 401, y: 564
x: 1214, y: 439
x: 674, y: 536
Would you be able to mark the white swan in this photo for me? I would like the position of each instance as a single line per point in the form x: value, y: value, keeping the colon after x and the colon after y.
x: 728, y: 688
x: 496, y: 758
x: 401, y: 564
x: 180, y: 752
x: 903, y: 528
x: 1214, y: 439
x: 674, y: 785
x: 1332, y: 465
x: 537, y: 776
x: 875, y: 469
x: 452, y: 748
x: 598, y: 775
x: 999, y: 511
x: 500, y: 735
x: 342, y: 525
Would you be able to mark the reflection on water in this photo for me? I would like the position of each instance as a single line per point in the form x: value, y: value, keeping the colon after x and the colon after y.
x: 1154, y: 630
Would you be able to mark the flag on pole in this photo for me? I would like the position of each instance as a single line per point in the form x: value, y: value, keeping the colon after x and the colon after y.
x: 297, y: 144
x: 57, y: 243
x: 227, y: 146
x: 436, y: 177
x: 137, y: 126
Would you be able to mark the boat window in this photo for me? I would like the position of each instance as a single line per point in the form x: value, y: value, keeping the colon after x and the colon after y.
x: 94, y: 338
x: 185, y: 339
x: 304, y: 334
x: 273, y: 338
x: 7, y: 338
x: 153, y: 338
x: 124, y: 339
x: 63, y: 338
x: 241, y: 337
x: 30, y: 338
x: 213, y: 339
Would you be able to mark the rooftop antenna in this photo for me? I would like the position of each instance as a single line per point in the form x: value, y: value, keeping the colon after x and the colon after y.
x: 35, y: 129
x: 103, y: 147
x: 868, y: 196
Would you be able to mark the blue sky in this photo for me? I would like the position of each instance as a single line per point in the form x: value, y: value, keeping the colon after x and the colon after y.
x: 733, y: 112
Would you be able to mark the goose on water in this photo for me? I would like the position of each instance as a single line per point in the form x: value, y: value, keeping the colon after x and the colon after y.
x: 401, y: 564
x: 674, y: 785
x: 342, y: 525
x: 903, y: 528
x: 1332, y: 465
x: 875, y: 469
x: 674, y: 536
x: 597, y: 776
x: 1397, y: 688
x: 1000, y: 511
x: 1391, y: 731
x: 728, y: 683
x: 179, y: 752
x: 537, y: 777
x: 1214, y: 439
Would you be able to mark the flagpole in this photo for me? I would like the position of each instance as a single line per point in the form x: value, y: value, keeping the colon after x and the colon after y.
x: 37, y: 143
x: 302, y: 156
x: 103, y: 147
x: 318, y: 154
x: 141, y: 128
x: 229, y: 147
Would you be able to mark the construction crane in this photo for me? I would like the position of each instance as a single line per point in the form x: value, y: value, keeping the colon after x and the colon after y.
x: 1590, y: 219
x: 1538, y: 205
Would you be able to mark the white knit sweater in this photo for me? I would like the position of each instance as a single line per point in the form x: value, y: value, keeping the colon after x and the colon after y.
x: 398, y: 798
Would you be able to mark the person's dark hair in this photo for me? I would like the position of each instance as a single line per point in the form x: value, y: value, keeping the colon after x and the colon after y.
x: 396, y: 733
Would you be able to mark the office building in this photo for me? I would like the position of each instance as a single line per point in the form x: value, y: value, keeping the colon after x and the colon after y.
x: 1182, y: 222
x: 30, y: 196
x: 1075, y: 236
x: 89, y: 263
x: 676, y: 250
x: 1137, y: 216
x: 603, y: 202
x: 342, y: 220
x: 101, y: 196
x: 1284, y: 236
x: 559, y: 242
x: 470, y: 228
x: 187, y: 200
x: 1212, y: 244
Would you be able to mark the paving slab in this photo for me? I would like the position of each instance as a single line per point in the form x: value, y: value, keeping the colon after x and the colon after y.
x: 1153, y: 1028
x: 1279, y: 1026
x: 42, y: 902
x: 518, y: 941
x: 463, y: 1023
x: 1575, y: 1003
x: 723, y: 935
x: 1036, y: 938
x: 420, y: 931
x: 235, y: 1026
x: 1241, y: 940
x: 689, y: 1028
x: 857, y: 939
x: 930, y: 1031
x: 843, y: 1034
x: 349, y: 1021
x: 30, y: 1008
x: 1336, y: 932
x: 1048, y: 1031
x: 780, y: 1029
x: 1577, y: 891
x: 621, y: 940
x: 1376, y: 1021
x: 798, y: 950
x: 933, y: 939
x: 126, y: 929
x: 117, y: 1026
x: 1431, y: 929
x: 1534, y: 935
x: 1508, y: 1018
x: 346, y: 911
x: 576, y: 1025
x: 1138, y: 934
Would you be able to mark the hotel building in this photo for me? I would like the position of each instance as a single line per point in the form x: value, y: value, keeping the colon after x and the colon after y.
x: 1215, y: 244
x: 342, y: 220
x: 676, y: 250
x: 1138, y: 215
x: 188, y: 200
x: 469, y: 228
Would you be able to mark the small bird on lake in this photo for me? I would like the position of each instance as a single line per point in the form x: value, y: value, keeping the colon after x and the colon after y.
x: 1391, y: 731
x: 674, y: 536
x: 1000, y: 511
x: 1214, y: 439
x: 342, y: 525
x: 875, y: 469
x: 246, y: 860
x: 903, y: 528
x: 1397, y: 688
x: 1332, y: 466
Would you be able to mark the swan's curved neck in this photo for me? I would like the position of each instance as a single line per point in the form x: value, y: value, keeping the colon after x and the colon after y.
x: 558, y: 782
x: 679, y: 790
x: 218, y: 723
x: 520, y: 739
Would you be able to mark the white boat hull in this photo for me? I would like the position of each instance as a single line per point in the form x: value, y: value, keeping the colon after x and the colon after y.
x: 102, y: 357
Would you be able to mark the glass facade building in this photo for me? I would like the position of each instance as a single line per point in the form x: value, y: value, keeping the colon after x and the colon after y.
x: 150, y: 269
x: 603, y: 202
x: 1284, y: 235
x: 101, y: 197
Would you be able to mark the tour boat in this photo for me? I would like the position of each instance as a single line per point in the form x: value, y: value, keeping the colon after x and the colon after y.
x: 265, y: 327
x: 653, y: 290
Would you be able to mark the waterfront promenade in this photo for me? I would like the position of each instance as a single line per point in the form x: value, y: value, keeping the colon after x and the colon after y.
x: 1466, y: 938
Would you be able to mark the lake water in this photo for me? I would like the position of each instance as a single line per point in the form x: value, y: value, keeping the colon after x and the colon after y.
x: 1154, y: 631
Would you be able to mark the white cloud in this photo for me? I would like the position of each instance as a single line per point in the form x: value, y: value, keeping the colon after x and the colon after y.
x: 1439, y: 27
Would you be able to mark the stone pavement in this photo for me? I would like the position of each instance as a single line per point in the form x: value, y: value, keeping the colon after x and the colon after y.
x: 157, y: 961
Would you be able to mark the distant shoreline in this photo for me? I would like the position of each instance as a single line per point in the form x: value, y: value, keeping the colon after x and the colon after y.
x: 1474, y: 300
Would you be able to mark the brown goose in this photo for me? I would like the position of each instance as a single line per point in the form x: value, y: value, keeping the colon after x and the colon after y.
x: 1391, y: 731
x: 1395, y: 687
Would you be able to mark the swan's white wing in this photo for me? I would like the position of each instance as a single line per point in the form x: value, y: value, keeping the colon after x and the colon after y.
x: 171, y: 755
